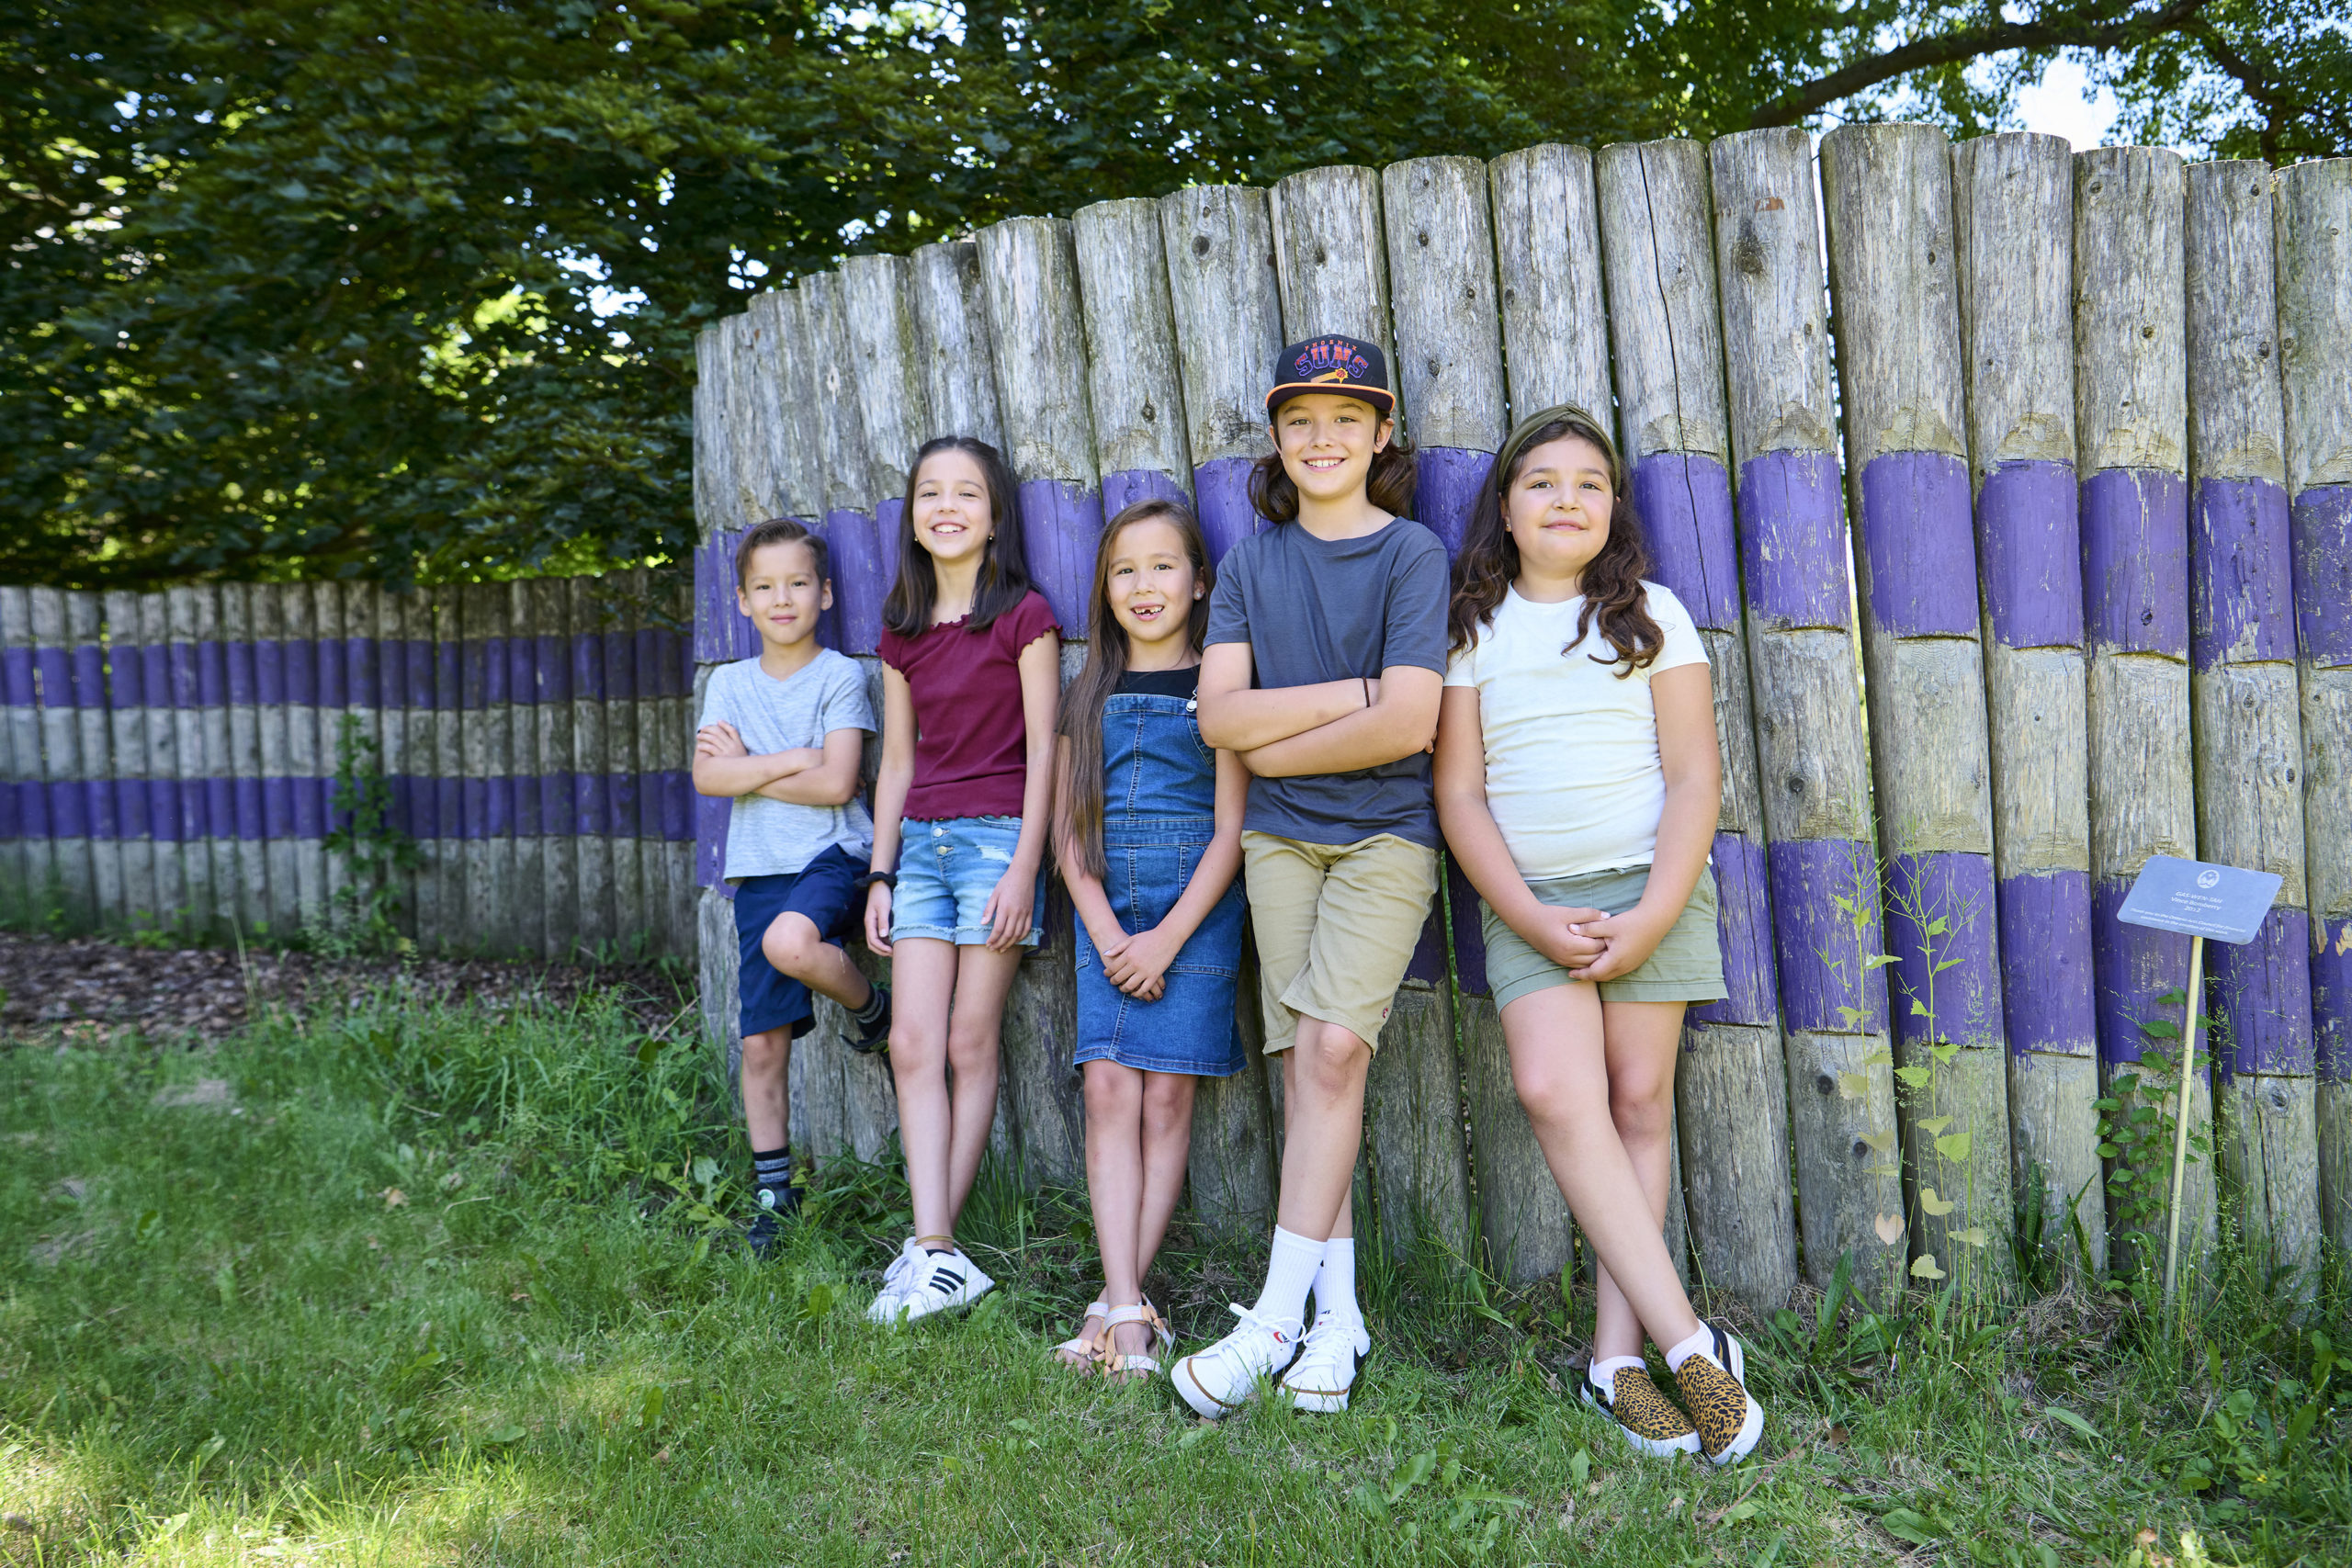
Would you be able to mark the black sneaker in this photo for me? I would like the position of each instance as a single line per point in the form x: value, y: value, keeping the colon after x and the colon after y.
x: 868, y: 1038
x: 777, y: 1203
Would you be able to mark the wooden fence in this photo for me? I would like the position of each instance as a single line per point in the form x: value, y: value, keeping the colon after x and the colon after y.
x: 2021, y: 542
x: 168, y: 759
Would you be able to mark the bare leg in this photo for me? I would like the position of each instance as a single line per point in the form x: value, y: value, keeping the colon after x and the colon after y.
x: 767, y: 1064
x: 1640, y: 1041
x: 1344, y: 1223
x: 1115, y: 1178
x: 1323, y: 1120
x: 926, y: 970
x: 1167, y: 1123
x: 794, y: 945
x: 983, y: 979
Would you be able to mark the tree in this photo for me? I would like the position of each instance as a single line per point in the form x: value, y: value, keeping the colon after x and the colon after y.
x: 309, y: 287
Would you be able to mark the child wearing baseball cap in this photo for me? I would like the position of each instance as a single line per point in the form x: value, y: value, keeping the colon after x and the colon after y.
x: 1325, y: 653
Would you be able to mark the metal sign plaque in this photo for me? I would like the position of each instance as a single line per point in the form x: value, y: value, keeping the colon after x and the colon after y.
x: 2200, y: 900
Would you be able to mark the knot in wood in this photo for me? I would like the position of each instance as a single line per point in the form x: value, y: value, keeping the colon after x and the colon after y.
x: 1824, y: 1084
x: 1200, y: 244
x: 1747, y: 253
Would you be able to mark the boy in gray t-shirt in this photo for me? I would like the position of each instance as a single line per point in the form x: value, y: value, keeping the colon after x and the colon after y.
x: 782, y: 736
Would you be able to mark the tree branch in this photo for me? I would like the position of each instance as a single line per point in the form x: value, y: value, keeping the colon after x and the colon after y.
x: 1968, y: 43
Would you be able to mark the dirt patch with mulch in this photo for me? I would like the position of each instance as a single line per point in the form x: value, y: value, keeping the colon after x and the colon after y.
x: 94, y: 989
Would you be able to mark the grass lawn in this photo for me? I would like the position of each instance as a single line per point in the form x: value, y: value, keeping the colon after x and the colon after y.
x: 413, y: 1285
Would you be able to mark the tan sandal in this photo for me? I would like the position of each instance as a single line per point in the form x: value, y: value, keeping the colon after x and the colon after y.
x: 1128, y: 1365
x: 1082, y: 1352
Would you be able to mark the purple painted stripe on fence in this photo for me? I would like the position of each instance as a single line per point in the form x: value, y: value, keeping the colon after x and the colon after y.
x: 1792, y: 538
x: 587, y: 667
x: 1445, y: 489
x: 69, y: 809
x: 651, y: 783
x: 221, y: 808
x: 1125, y: 488
x: 302, y: 672
x: 2135, y: 966
x: 156, y: 673
x: 98, y: 803
x: 165, y: 824
x: 269, y: 673
x: 678, y: 798
x: 2135, y: 562
x: 278, y: 808
x: 553, y: 666
x: 12, y: 811
x: 2046, y: 971
x: 2261, y: 998
x: 620, y: 667
x: 556, y: 817
x: 2331, y: 999
x: 1060, y: 523
x: 126, y: 676
x: 128, y: 809
x: 1920, y: 543
x: 1684, y: 499
x: 1819, y: 948
x: 1428, y: 961
x: 889, y: 538
x: 620, y: 805
x: 332, y: 692
x: 32, y: 810
x: 53, y: 677
x: 239, y: 658
x: 710, y: 840
x: 16, y: 689
x: 89, y: 676
x: 858, y: 585
x: 653, y: 669
x: 2322, y: 526
x: 709, y: 577
x: 1744, y: 931
x: 408, y: 673
x: 590, y: 818
x: 1940, y: 916
x: 2029, y: 544
x: 250, y: 823
x: 2241, y: 582
x: 360, y: 659
x: 499, y: 810
x: 1221, y: 499
x: 310, y: 799
x: 472, y: 817
x: 448, y: 675
x: 523, y: 672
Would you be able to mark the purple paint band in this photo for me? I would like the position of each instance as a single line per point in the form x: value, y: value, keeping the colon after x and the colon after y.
x: 1445, y: 489
x: 449, y: 817
x: 2029, y: 544
x: 98, y: 803
x: 1824, y: 928
x: 523, y: 670
x: 1060, y: 525
x: 166, y: 822
x: 620, y: 808
x: 53, y: 677
x: 1744, y: 930
x: 12, y: 811
x: 2331, y: 999
x: 1684, y: 499
x: 410, y: 674
x: 1941, y: 918
x: 498, y: 811
x: 219, y: 807
x: 269, y: 673
x: 1793, y: 539
x: 652, y: 669
x: 588, y: 799
x: 155, y: 674
x: 2135, y: 562
x: 709, y: 577
x: 89, y: 676
x: 2261, y: 998
x: 309, y: 802
x: 556, y: 818
x: 32, y: 810
x: 250, y: 825
x: 278, y: 808
x: 1124, y: 488
x: 2240, y: 585
x: 1428, y: 962
x: 889, y: 540
x: 587, y: 669
x: 1221, y: 501
x: 243, y: 690
x: 129, y: 810
x: 858, y: 585
x: 648, y: 803
x: 678, y: 798
x: 553, y: 668
x: 126, y: 677
x: 186, y: 679
x: 69, y: 809
x: 1920, y: 544
x: 361, y: 683
x: 711, y: 840
x: 2320, y: 522
x: 2046, y: 970
x: 494, y: 689
x: 446, y: 660
x: 2135, y: 966
x: 620, y: 667
x: 17, y: 688
x: 302, y: 666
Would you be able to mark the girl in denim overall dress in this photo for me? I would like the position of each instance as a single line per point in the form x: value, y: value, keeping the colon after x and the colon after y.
x: 1149, y: 834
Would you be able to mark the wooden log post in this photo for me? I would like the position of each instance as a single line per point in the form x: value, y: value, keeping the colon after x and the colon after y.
x: 1888, y: 190
x: 454, y: 823
x: 237, y: 631
x: 1547, y: 253
x: 1134, y: 386
x: 1813, y: 767
x: 949, y: 306
x: 212, y: 694
x: 26, y: 855
x: 593, y: 871
x: 160, y: 749
x: 281, y: 848
x: 407, y: 674
x: 716, y: 627
x: 625, y: 593
x: 85, y: 634
x: 189, y: 760
x: 126, y: 706
x: 887, y: 357
x: 551, y: 721
x: 519, y: 773
x: 2013, y: 210
x: 2312, y: 212
x: 1222, y: 296
x: 2244, y: 696
x: 359, y: 684
x: 310, y: 752
x: 2131, y: 427
x: 335, y: 703
x: 472, y: 848
x: 75, y: 899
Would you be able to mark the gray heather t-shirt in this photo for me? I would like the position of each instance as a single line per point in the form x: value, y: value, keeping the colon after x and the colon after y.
x: 1315, y: 610
x: 770, y: 837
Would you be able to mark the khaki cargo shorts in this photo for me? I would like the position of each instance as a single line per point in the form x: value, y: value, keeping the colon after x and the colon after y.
x: 1336, y: 925
x: 1687, y: 967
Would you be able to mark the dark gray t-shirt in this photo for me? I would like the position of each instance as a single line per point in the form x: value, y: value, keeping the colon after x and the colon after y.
x: 1315, y: 610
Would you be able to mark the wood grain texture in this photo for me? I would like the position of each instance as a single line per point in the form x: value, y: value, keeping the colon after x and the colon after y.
x: 1735, y: 1148
x: 592, y: 852
x: 1523, y: 1220
x: 2039, y: 700
x: 559, y: 860
x: 2143, y: 793
x: 1413, y: 1127
x: 1449, y: 358
x: 1547, y: 265
x: 798, y: 430
x: 124, y: 720
x: 244, y: 758
x: 755, y: 397
x: 23, y: 860
x: 1134, y: 379
x: 1929, y: 750
x: 1965, y: 1096
x: 1849, y: 1166
x: 842, y: 467
x: 869, y: 1098
x: 1040, y: 1039
x: 2013, y: 223
x: 2131, y: 388
x: 309, y: 738
x: 1329, y: 255
x: 2054, y: 1126
x: 1219, y: 245
x: 952, y: 344
x: 1230, y: 1178
x: 2327, y: 795
x: 2236, y: 420
x: 887, y: 355
x: 2313, y: 210
x: 1734, y: 734
x: 2266, y: 1136
x: 2249, y: 752
x: 85, y: 629
x: 1665, y: 333
x: 631, y: 908
x: 2334, y: 1116
x: 1029, y: 269
x: 714, y: 467
x: 1813, y: 753
x: 161, y: 748
x: 1767, y: 267
x: 1887, y: 191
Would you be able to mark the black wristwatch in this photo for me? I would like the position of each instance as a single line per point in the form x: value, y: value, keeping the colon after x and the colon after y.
x: 886, y: 878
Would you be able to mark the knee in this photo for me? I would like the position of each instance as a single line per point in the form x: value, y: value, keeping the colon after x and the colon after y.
x: 1642, y: 1109
x: 790, y: 951
x: 1330, y: 1058
x: 1167, y: 1102
x: 767, y: 1051
x: 1110, y: 1090
x: 1549, y: 1098
x: 972, y: 1047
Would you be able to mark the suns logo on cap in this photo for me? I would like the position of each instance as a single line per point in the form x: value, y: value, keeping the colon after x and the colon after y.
x: 1330, y: 359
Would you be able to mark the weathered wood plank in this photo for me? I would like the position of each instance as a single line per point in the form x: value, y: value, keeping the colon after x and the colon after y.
x: 1548, y: 255
x: 952, y: 347
x: 1134, y: 389
x: 1449, y: 354
x: 187, y: 764
x: 887, y: 361
x: 843, y: 469
x: 252, y: 849
x: 1413, y: 1127
x: 1230, y: 1176
x: 159, y: 744
x: 1330, y: 261
x: 126, y: 700
x: 61, y: 765
x: 275, y: 749
x: 1224, y: 297
x: 1663, y: 322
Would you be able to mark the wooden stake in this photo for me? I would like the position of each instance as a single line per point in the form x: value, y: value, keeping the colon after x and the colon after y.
x: 2181, y: 1109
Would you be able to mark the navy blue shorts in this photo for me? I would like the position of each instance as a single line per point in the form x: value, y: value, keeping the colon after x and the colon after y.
x: 821, y: 890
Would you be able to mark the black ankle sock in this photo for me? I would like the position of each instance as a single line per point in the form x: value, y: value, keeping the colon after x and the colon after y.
x: 876, y: 998
x: 771, y: 1167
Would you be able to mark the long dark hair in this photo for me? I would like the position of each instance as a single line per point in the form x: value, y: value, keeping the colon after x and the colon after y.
x: 1389, y: 485
x: 1612, y: 579
x: 1079, y: 813
x: 1004, y: 567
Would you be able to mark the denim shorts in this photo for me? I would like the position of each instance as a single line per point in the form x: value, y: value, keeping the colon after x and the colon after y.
x: 822, y: 890
x: 946, y: 870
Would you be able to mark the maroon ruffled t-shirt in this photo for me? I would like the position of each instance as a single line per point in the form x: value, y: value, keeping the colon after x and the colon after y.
x: 971, y: 744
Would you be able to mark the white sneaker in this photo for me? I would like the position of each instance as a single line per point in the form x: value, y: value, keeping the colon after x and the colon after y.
x: 1218, y: 1380
x: 943, y: 1280
x: 1329, y: 1359
x: 895, y: 1281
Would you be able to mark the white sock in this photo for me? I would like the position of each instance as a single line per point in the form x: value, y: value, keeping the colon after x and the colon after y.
x: 1700, y: 1344
x: 1335, y: 1282
x: 1290, y: 1272
x: 1602, y: 1375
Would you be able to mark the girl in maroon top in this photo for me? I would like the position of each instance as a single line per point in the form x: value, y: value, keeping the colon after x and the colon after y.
x: 970, y: 682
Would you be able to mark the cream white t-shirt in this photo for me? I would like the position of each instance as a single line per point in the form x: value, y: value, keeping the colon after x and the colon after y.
x: 1573, y: 776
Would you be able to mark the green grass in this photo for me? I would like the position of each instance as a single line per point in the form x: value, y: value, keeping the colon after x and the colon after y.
x: 442, y: 1287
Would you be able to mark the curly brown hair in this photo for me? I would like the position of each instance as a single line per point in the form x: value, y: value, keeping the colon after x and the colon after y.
x: 1612, y: 579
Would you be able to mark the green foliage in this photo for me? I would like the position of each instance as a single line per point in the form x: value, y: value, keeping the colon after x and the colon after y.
x: 2139, y: 1123
x: 363, y: 917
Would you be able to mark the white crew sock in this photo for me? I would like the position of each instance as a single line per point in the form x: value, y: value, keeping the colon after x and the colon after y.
x: 1602, y: 1375
x: 1700, y: 1344
x: 1335, y: 1282
x: 1290, y: 1272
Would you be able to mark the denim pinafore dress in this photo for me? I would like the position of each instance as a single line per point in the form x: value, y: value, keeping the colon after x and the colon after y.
x: 1159, y: 815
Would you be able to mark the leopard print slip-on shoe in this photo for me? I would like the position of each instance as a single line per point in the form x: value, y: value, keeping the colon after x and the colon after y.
x: 1647, y: 1417
x: 1714, y: 1385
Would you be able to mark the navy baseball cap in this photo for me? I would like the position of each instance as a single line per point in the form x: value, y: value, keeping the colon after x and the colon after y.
x: 1344, y: 365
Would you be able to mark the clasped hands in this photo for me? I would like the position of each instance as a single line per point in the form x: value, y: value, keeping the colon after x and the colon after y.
x: 1593, y: 944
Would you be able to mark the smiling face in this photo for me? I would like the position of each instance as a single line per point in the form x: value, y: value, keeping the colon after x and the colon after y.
x: 781, y: 593
x: 1151, y: 583
x: 952, y: 514
x: 1557, y: 508
x: 1328, y: 442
